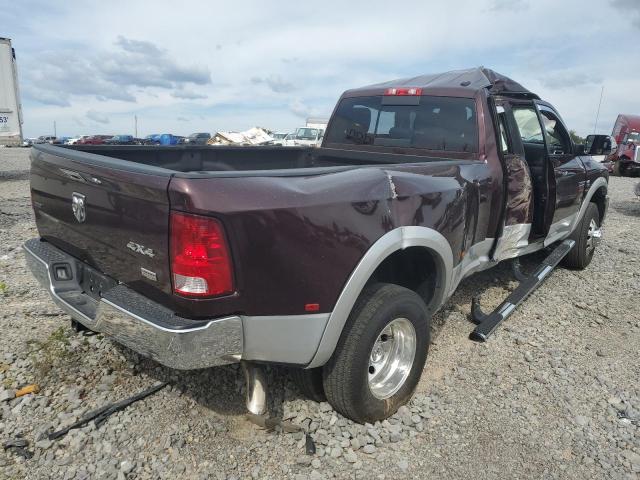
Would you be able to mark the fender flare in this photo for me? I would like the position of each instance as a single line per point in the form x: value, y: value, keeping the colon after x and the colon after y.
x: 392, y: 241
x: 595, y: 186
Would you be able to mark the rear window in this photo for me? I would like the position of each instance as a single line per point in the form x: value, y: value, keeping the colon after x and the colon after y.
x: 437, y: 123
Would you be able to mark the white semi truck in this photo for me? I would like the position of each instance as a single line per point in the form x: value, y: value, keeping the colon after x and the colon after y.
x: 10, y: 108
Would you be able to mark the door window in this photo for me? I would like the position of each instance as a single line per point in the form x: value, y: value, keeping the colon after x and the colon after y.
x: 528, y: 124
x: 558, y: 140
x: 505, y: 140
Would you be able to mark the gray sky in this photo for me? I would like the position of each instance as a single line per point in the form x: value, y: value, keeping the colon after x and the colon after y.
x: 193, y: 66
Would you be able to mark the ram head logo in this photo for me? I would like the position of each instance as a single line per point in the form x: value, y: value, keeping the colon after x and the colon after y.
x: 78, y: 207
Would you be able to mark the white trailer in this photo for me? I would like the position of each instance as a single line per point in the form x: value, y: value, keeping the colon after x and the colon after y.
x: 314, y: 122
x: 10, y: 108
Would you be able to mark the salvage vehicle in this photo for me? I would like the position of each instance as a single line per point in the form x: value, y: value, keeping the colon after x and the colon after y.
x: 305, y: 136
x: 94, y: 140
x: 122, y: 140
x: 198, y: 138
x: 626, y: 157
x: 329, y: 260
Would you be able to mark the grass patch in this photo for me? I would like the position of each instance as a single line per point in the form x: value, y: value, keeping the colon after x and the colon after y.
x: 47, y: 354
x: 3, y: 287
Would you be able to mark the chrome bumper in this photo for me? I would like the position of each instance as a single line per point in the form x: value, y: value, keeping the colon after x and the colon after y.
x: 136, y: 322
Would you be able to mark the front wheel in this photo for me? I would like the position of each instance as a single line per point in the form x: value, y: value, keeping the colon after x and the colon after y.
x: 587, y: 236
x: 380, y: 356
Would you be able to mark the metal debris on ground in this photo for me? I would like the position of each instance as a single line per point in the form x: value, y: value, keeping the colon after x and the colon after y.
x: 100, y: 415
x: 269, y: 423
x: 19, y: 446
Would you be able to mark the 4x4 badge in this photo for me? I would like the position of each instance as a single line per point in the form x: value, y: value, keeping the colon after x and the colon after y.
x: 78, y: 206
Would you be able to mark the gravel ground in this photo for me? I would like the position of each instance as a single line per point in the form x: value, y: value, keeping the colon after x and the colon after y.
x: 554, y: 394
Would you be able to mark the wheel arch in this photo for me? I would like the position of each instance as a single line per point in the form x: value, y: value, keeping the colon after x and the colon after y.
x: 413, y: 240
x: 600, y: 186
x: 600, y: 199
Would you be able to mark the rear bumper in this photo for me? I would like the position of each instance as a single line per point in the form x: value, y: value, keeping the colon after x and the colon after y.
x: 134, y: 321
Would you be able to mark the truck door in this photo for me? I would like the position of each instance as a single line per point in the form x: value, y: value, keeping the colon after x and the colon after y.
x: 518, y: 185
x: 568, y: 173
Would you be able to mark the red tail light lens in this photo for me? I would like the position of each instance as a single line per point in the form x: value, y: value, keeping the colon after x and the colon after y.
x: 200, y: 260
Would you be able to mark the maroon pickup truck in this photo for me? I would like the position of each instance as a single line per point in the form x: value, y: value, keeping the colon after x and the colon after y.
x: 329, y: 260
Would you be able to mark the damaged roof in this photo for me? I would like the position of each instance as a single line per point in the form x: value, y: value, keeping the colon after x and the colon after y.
x: 472, y: 79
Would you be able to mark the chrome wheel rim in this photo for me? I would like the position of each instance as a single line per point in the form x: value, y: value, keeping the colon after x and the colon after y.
x: 594, y: 234
x: 391, y: 358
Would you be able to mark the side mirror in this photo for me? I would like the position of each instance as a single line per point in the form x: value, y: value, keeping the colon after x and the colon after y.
x: 598, y: 145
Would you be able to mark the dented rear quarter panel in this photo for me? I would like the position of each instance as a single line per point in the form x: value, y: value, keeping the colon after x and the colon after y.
x: 296, y: 240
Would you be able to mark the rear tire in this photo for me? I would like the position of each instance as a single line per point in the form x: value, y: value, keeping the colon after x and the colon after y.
x: 380, y: 356
x: 582, y: 252
x: 309, y: 383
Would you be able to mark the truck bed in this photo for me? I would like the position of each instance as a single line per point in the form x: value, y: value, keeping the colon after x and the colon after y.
x: 221, y: 161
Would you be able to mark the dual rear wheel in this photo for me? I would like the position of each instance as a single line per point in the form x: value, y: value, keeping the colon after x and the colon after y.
x: 379, y: 358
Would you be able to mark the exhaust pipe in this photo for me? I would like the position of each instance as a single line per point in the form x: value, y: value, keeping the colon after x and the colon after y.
x: 256, y: 387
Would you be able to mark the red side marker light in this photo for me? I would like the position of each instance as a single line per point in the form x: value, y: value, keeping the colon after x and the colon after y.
x: 312, y: 307
x: 408, y: 91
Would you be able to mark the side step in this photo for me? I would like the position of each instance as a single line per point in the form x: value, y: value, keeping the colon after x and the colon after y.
x: 487, y: 323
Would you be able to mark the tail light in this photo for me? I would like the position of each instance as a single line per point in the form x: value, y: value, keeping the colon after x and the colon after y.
x: 200, y: 260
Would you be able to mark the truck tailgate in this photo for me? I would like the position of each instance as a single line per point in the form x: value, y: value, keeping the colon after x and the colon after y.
x: 115, y: 220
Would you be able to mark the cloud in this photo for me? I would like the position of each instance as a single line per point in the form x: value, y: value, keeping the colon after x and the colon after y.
x: 48, y: 97
x: 300, y: 109
x: 300, y: 63
x: 182, y: 119
x: 138, y: 46
x: 632, y: 7
x: 187, y: 95
x: 275, y: 83
x: 97, y: 117
x: 54, y: 79
x: 509, y: 6
x: 569, y: 79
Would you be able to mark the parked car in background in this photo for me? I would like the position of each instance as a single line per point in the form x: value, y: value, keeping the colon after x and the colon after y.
x: 626, y: 157
x: 60, y: 141
x: 197, y: 138
x: 27, y: 142
x: 44, y: 139
x: 169, y: 139
x: 309, y: 137
x: 122, y: 140
x: 74, y: 140
x: 93, y: 140
x: 153, y: 139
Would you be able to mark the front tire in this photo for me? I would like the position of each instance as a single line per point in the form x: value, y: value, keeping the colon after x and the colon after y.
x: 587, y: 236
x: 381, y: 354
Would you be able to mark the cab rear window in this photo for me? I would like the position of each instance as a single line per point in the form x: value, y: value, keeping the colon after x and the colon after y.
x: 436, y: 123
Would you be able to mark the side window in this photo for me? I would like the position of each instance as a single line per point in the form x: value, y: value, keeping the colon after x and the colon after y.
x: 528, y: 124
x: 558, y: 140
